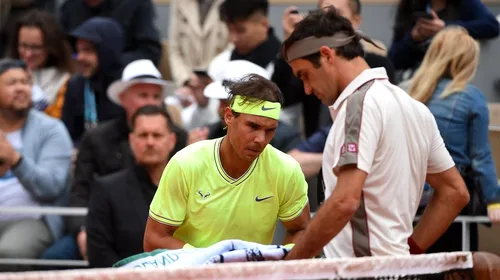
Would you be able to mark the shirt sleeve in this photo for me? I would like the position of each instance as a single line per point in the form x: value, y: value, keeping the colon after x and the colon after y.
x: 294, y: 197
x: 170, y: 200
x: 439, y: 158
x: 363, y: 126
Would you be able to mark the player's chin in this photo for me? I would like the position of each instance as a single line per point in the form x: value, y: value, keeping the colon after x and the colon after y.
x: 251, y: 154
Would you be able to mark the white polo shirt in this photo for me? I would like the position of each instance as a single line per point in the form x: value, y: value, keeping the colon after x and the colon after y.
x: 395, y: 140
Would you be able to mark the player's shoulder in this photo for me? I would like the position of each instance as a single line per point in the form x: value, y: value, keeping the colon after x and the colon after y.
x: 278, y: 160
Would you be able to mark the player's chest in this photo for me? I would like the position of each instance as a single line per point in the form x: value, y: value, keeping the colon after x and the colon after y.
x: 231, y: 199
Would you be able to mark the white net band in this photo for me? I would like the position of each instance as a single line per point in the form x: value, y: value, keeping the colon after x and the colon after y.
x: 392, y: 267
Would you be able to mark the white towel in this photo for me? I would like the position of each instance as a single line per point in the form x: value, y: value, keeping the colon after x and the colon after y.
x: 222, y: 252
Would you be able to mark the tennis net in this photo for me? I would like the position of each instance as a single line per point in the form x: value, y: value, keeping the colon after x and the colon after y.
x: 457, y: 265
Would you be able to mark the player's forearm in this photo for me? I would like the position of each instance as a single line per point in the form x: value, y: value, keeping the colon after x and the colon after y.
x: 443, y: 208
x: 292, y: 237
x: 165, y: 242
x: 326, y: 224
x: 310, y: 163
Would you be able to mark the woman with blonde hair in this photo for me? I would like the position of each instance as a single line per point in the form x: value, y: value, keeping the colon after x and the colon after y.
x: 461, y: 113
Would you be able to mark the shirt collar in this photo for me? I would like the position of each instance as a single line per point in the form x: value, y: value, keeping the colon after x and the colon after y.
x: 361, y: 79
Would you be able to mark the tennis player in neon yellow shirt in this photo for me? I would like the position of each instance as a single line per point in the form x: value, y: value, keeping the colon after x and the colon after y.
x: 235, y: 187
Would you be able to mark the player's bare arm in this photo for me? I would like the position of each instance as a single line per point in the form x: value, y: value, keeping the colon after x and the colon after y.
x: 160, y: 236
x: 310, y: 163
x: 296, y: 227
x: 333, y: 215
x: 450, y: 197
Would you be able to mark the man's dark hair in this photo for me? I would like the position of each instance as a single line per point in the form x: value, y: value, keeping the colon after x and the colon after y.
x: 320, y: 23
x: 254, y: 88
x: 7, y: 63
x: 150, y: 110
x: 231, y: 11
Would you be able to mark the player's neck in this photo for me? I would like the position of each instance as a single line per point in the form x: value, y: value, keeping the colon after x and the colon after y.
x: 350, y: 70
x: 231, y: 162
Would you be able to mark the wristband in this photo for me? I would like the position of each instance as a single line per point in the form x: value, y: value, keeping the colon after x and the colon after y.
x: 188, y: 246
x: 493, y: 206
x: 414, y: 248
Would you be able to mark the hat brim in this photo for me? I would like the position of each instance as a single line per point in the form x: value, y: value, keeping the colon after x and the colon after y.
x: 118, y: 87
x: 215, y: 90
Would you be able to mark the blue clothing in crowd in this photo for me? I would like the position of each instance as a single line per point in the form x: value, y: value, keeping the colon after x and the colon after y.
x: 45, y: 166
x: 463, y: 121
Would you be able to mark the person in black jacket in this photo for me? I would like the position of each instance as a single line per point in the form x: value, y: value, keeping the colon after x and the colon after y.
x: 105, y: 149
x: 136, y: 17
x: 99, y: 44
x: 119, y: 204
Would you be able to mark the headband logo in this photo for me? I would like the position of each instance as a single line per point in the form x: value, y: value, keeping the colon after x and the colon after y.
x: 268, y: 109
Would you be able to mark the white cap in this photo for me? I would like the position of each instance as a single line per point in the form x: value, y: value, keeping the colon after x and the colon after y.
x: 141, y: 71
x: 233, y: 70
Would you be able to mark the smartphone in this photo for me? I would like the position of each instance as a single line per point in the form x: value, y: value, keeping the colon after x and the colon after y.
x: 425, y: 15
x: 303, y: 14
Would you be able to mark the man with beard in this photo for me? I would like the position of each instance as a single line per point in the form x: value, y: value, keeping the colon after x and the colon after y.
x: 209, y: 188
x: 105, y: 149
x: 119, y: 203
x: 99, y: 44
x: 35, y: 154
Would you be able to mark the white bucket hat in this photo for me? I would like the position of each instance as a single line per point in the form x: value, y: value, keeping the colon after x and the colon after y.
x: 233, y: 70
x: 141, y: 71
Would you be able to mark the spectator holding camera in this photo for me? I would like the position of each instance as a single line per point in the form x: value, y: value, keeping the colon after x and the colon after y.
x: 419, y: 21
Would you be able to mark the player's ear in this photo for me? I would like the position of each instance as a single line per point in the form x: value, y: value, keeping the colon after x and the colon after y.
x: 228, y: 116
x: 328, y: 54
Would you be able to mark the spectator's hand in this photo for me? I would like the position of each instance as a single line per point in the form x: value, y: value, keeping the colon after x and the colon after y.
x: 494, y: 213
x: 290, y: 20
x: 8, y: 154
x: 81, y: 240
x: 427, y: 28
x: 197, y: 134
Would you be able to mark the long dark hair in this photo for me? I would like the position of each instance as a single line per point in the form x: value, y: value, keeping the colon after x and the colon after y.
x: 405, y: 21
x: 58, y: 49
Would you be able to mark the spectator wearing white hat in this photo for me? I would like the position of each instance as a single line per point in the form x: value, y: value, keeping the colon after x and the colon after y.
x: 286, y: 136
x: 105, y: 149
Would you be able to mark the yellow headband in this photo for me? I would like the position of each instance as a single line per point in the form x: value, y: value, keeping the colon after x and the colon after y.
x: 263, y: 108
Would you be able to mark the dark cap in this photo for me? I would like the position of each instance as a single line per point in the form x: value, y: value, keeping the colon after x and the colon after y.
x: 7, y: 64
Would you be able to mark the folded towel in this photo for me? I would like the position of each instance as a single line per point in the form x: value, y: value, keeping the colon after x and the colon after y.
x: 222, y: 252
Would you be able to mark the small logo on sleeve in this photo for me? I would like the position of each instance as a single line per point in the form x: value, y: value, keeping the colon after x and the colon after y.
x: 350, y: 148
